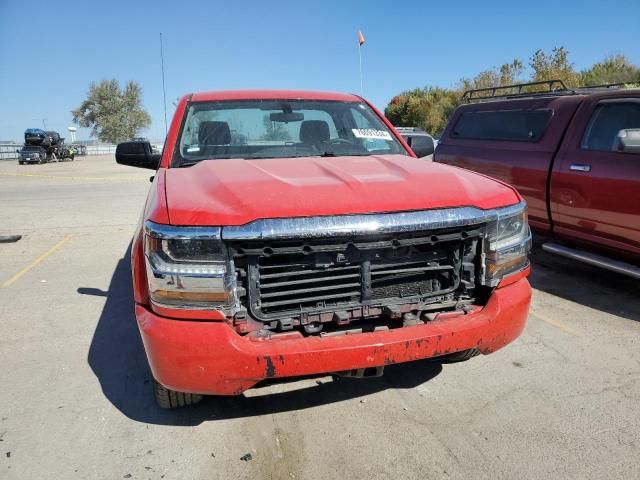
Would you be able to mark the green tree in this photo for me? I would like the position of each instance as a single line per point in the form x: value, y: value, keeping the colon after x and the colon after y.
x: 506, y: 74
x: 431, y: 107
x: 428, y: 108
x: 112, y: 113
x: 613, y: 69
x: 554, y: 66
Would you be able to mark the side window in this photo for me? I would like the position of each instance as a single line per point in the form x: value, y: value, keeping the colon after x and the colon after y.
x: 505, y: 125
x: 607, y: 120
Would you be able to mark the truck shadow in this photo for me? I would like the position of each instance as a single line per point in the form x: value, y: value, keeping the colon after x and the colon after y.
x: 581, y: 283
x: 117, y: 358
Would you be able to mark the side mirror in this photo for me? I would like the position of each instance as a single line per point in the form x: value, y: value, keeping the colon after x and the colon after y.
x: 422, y: 145
x: 17, y: 151
x: 628, y: 141
x: 137, y: 154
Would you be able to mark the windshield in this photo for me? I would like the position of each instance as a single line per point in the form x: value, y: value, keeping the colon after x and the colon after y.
x: 282, y: 128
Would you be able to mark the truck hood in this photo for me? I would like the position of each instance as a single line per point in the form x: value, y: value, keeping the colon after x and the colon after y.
x: 238, y: 191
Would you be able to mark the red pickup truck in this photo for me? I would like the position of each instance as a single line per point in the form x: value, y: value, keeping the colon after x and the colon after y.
x: 574, y: 155
x: 289, y: 233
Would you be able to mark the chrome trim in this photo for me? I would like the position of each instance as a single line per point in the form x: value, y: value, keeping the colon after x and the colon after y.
x: 378, y: 223
x: 580, y: 168
x: 594, y: 259
x: 158, y: 230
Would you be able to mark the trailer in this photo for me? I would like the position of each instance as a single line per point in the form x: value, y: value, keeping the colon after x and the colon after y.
x: 44, y: 146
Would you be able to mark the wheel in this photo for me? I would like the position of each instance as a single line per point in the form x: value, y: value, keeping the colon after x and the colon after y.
x: 171, y: 399
x: 462, y: 356
x: 20, y: 162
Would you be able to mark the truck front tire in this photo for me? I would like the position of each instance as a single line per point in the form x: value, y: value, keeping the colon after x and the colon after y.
x: 171, y: 399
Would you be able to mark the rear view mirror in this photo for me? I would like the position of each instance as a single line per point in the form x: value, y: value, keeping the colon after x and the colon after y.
x: 628, y: 141
x: 137, y: 154
x: 286, y: 117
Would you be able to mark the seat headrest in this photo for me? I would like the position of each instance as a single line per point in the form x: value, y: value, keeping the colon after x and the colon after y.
x: 312, y: 131
x: 214, y: 133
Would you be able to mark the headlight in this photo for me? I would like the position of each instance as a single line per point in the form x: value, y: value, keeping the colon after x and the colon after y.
x: 188, y: 267
x: 508, y: 244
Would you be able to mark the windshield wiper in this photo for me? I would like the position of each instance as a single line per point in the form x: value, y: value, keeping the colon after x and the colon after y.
x: 344, y: 154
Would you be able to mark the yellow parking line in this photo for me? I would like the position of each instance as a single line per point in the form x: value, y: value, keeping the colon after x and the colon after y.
x: 63, y: 177
x: 36, y: 262
x: 555, y: 323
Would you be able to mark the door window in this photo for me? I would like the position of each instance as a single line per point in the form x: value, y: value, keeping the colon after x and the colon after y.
x: 607, y: 120
x: 505, y: 125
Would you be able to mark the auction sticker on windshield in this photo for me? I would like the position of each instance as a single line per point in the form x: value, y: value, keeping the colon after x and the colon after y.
x: 371, y: 133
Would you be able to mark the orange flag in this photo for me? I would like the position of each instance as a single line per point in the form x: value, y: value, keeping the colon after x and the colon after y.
x: 360, y: 38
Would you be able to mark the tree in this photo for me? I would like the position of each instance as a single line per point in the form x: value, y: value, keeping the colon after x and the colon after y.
x: 613, y: 69
x: 428, y: 108
x: 506, y: 74
x: 112, y: 113
x: 511, y: 73
x: 553, y: 66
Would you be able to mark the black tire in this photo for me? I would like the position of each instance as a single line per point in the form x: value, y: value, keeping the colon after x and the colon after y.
x: 456, y: 357
x: 20, y: 162
x: 166, y: 398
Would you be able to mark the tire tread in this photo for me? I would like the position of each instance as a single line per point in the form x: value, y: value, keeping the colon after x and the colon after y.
x: 455, y: 357
x: 170, y: 399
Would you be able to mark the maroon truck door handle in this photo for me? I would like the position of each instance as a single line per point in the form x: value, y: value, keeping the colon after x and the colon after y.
x: 580, y: 168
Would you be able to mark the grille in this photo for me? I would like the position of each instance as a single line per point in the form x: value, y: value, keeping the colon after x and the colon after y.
x: 309, y: 281
x: 412, y: 278
x: 299, y: 285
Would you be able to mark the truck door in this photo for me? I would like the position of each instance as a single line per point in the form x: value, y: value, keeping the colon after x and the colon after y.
x: 595, y: 189
x: 513, y: 140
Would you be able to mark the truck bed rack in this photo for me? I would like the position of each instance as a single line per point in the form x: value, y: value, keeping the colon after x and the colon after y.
x: 543, y: 88
x: 547, y: 87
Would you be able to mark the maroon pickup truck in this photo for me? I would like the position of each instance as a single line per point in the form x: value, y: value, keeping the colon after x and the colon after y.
x: 574, y: 155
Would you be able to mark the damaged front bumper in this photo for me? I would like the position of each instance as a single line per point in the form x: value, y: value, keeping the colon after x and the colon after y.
x: 212, y: 358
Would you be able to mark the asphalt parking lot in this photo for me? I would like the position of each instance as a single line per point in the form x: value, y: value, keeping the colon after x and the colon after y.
x: 563, y: 401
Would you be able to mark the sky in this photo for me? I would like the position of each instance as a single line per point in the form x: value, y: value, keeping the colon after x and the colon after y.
x: 50, y: 52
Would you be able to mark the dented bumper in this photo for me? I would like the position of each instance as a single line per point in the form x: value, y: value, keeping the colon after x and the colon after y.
x: 211, y: 358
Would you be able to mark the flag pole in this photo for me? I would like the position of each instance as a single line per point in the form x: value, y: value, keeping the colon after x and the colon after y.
x: 360, y: 43
x: 360, y: 57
